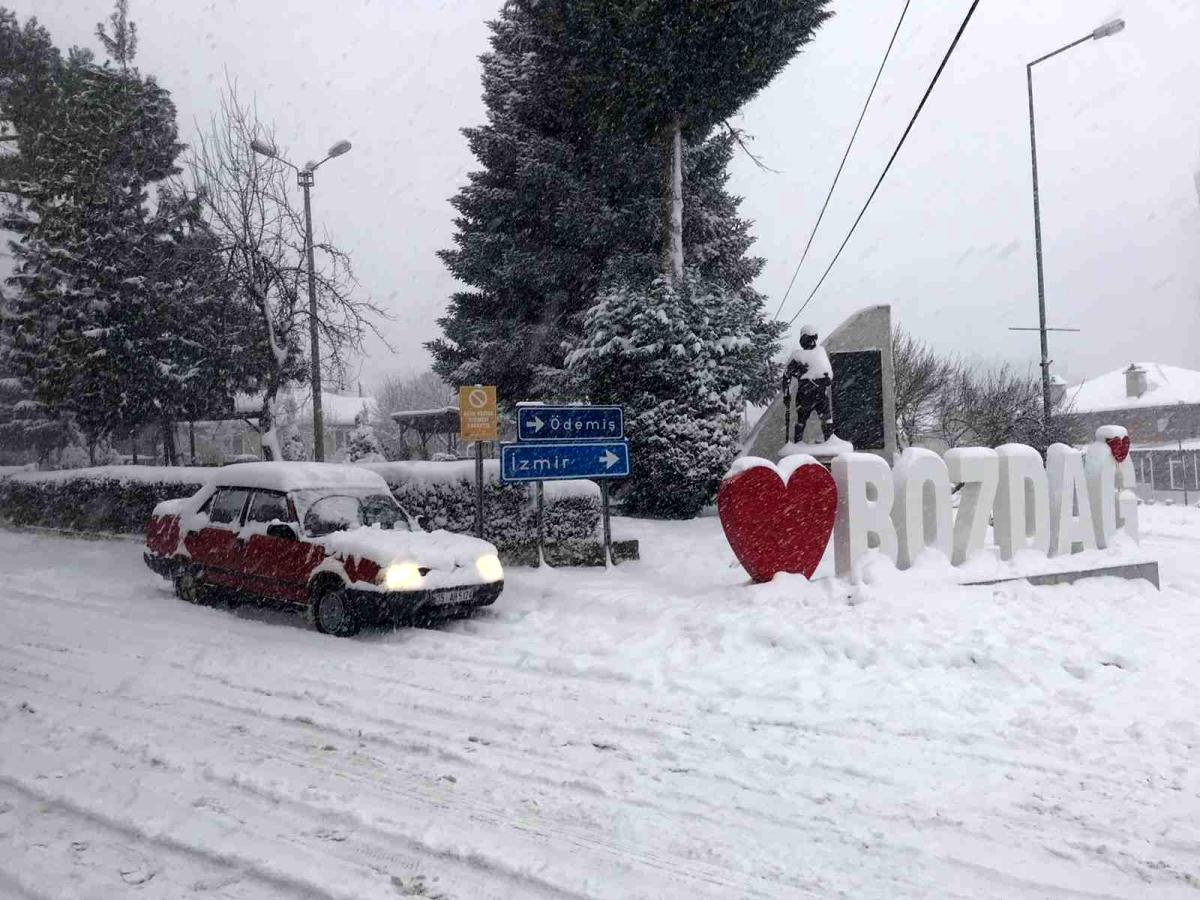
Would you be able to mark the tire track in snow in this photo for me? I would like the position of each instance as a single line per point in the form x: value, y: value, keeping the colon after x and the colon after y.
x: 690, y: 872
x: 759, y: 814
x: 218, y: 636
x: 298, y: 722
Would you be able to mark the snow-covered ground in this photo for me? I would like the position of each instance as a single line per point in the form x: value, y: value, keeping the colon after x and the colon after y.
x: 659, y: 730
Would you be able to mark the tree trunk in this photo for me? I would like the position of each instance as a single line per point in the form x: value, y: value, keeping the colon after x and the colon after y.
x: 170, y: 457
x: 192, y: 442
x: 674, y: 229
x: 266, y: 427
x: 133, y: 442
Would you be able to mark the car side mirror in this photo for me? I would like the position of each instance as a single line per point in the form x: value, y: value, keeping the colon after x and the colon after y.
x: 282, y: 531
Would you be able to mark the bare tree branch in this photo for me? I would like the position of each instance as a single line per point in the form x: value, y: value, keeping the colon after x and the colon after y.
x: 740, y: 138
x: 251, y: 204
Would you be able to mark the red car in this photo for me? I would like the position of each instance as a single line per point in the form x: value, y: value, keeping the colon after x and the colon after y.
x: 328, y: 538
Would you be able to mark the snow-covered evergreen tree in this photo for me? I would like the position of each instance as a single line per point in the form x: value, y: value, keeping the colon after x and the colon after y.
x: 85, y: 244
x: 293, y: 446
x: 119, y: 316
x: 27, y: 428
x: 679, y: 356
x: 363, y: 445
x: 666, y: 71
x: 29, y: 64
x: 558, y: 209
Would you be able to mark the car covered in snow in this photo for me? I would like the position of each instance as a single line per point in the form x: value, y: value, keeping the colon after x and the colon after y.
x: 328, y: 538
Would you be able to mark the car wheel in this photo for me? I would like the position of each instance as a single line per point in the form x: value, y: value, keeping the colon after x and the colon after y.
x: 188, y: 584
x: 331, y: 611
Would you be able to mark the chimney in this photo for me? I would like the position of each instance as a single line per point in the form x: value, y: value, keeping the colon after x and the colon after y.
x: 1058, y: 389
x: 1135, y: 380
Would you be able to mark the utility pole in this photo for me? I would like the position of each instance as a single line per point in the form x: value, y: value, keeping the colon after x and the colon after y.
x: 304, y: 178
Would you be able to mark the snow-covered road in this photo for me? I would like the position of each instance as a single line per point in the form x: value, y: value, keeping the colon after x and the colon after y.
x: 658, y: 730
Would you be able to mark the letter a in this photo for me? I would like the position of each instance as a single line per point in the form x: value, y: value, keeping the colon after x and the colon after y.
x: 1071, y: 526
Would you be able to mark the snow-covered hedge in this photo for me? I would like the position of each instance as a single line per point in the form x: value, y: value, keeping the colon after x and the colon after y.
x: 108, y: 499
x: 119, y: 499
x: 442, y: 495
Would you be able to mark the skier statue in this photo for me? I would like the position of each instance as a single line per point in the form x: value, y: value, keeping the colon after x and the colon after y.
x: 809, y: 367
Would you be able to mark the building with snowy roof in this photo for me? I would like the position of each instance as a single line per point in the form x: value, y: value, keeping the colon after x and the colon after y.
x: 338, y: 415
x: 231, y: 434
x: 1160, y: 407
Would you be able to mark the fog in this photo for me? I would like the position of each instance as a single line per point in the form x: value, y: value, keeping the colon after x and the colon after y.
x: 948, y: 240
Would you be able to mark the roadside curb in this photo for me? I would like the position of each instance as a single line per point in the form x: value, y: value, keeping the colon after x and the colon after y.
x: 67, y: 532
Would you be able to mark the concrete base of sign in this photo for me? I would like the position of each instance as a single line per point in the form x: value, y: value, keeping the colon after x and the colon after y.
x: 1143, y: 571
x: 821, y: 451
x: 570, y: 553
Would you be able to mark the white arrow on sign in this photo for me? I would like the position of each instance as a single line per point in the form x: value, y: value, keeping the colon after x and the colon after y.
x: 609, y: 459
x: 536, y: 424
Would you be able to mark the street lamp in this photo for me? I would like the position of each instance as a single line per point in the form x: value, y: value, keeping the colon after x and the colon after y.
x: 304, y: 177
x: 1106, y: 30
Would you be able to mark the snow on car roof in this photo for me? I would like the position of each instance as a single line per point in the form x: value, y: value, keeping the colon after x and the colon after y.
x: 295, y: 476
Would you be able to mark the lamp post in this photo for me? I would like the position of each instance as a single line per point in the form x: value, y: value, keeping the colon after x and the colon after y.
x: 304, y: 176
x: 1103, y: 31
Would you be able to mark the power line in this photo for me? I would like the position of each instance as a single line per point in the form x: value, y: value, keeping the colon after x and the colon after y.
x: 895, y: 153
x: 845, y: 156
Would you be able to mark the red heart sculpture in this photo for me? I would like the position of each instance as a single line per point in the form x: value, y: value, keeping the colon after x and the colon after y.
x: 773, y: 527
x: 1119, y: 448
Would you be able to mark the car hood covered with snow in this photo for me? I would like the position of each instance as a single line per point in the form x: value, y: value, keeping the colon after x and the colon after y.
x: 441, y: 551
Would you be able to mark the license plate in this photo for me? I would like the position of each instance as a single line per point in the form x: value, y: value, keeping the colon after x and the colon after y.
x: 451, y: 598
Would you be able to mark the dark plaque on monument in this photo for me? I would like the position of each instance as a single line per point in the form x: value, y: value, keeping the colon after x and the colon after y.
x: 858, y: 397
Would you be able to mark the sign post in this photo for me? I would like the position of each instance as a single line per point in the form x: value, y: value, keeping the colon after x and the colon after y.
x: 478, y: 422
x: 562, y: 443
x: 606, y: 526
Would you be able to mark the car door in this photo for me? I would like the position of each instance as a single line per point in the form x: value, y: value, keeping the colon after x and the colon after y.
x: 277, y: 567
x: 216, y: 546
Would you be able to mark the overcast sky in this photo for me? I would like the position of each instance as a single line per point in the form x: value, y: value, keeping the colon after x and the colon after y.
x: 948, y: 241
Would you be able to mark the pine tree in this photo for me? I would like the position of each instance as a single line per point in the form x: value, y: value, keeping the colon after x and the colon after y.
x: 29, y: 67
x: 558, y: 209
x: 682, y: 357
x: 119, y: 317
x: 27, y: 429
x: 363, y: 445
x: 664, y: 71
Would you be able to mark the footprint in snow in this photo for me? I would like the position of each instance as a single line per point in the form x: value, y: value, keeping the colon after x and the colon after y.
x: 136, y: 874
x: 416, y: 887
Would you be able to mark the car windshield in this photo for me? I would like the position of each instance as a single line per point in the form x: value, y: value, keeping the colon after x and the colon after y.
x: 343, y: 512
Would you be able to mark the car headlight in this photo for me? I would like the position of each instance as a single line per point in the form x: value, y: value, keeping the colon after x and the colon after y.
x: 489, y: 567
x: 402, y: 577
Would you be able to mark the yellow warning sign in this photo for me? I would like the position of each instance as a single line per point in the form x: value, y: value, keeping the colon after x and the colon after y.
x: 477, y: 419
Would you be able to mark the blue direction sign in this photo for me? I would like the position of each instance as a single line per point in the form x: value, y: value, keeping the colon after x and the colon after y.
x: 570, y: 423
x: 561, y: 462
